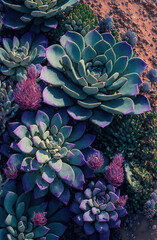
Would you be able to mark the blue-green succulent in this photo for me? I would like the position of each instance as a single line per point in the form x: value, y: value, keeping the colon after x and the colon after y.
x: 48, y: 151
x: 98, y: 209
x: 23, y: 217
x: 94, y: 77
x: 39, y: 13
x: 16, y: 55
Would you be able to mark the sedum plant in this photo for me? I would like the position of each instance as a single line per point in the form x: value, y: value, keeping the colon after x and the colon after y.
x: 94, y: 77
x: 8, y: 107
x: 98, y: 209
x: 40, y: 13
x: 23, y: 217
x: 16, y: 55
x: 151, y: 206
x: 48, y: 151
x: 81, y: 19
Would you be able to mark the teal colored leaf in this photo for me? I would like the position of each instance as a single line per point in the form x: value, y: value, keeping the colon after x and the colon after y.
x: 67, y: 173
x: 54, y: 55
x: 73, y: 51
x: 9, y: 201
x: 92, y: 38
x: 57, y: 187
x: 56, y: 97
x: 75, y: 37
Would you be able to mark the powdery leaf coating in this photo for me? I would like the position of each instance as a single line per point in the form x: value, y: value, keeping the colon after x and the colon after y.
x: 98, y: 209
x: 96, y: 77
x: 49, y: 152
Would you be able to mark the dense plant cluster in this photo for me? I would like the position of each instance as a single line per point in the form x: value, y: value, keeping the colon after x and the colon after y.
x: 8, y: 107
x: 70, y: 150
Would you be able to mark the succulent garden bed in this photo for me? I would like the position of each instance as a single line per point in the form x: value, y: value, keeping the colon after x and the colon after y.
x: 78, y: 125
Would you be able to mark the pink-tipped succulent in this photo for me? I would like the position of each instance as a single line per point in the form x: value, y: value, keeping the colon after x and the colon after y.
x: 122, y: 200
x: 114, y: 172
x: 39, y: 219
x: 95, y: 161
x: 27, y: 92
x: 11, y: 172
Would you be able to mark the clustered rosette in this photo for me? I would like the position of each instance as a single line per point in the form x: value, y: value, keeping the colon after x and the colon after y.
x: 23, y: 217
x: 94, y: 77
x: 40, y: 13
x: 16, y: 55
x: 49, y: 152
x: 97, y: 209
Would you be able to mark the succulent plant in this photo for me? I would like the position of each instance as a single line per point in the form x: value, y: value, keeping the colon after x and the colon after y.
x: 130, y: 37
x: 39, y: 13
x: 23, y: 217
x: 48, y: 151
x: 152, y: 75
x: 151, y: 206
x: 8, y: 107
x: 81, y: 19
x: 97, y: 209
x: 146, y: 86
x: 27, y: 92
x: 17, y: 54
x: 93, y: 76
x: 114, y: 172
x: 132, y: 135
x: 140, y: 183
x: 106, y: 24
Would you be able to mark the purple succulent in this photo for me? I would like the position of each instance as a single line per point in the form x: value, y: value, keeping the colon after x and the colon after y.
x: 39, y: 218
x: 114, y: 172
x: 152, y: 75
x: 97, y: 209
x: 95, y: 160
x: 48, y: 151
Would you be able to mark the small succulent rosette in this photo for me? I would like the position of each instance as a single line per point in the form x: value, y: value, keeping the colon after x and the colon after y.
x: 39, y: 13
x: 23, y: 217
x: 48, y: 151
x: 94, y: 77
x: 98, y: 209
x: 16, y: 55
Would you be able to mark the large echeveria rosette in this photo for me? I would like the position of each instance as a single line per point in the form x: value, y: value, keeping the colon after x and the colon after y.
x: 97, y: 209
x: 94, y: 76
x: 49, y: 152
x: 17, y: 210
x: 16, y: 55
x: 39, y: 13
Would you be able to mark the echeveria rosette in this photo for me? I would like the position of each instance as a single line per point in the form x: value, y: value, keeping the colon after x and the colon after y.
x: 16, y: 55
x: 17, y: 210
x: 97, y: 209
x: 94, y: 76
x: 49, y: 152
x: 40, y: 13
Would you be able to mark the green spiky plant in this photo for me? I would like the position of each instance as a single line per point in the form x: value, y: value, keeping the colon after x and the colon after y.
x: 135, y: 137
x: 82, y: 19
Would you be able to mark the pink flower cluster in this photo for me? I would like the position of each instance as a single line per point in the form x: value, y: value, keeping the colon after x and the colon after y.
x: 27, y: 92
x: 114, y: 172
x: 95, y: 161
x: 39, y: 219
